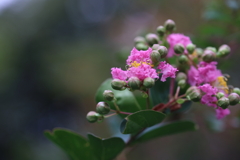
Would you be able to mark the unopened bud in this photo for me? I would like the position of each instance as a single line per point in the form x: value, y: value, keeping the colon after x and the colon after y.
x: 220, y: 95
x: 194, y: 94
x: 152, y: 39
x: 183, y: 59
x: 179, y: 48
x: 169, y: 25
x: 233, y: 98
x: 212, y: 49
x: 155, y: 47
x: 139, y: 39
x: 190, y: 48
x: 134, y: 83
x: 155, y: 56
x: 182, y: 83
x: 141, y: 46
x: 108, y: 95
x: 161, y: 31
x: 148, y: 82
x: 199, y: 52
x: 92, y: 117
x: 236, y: 90
x: 223, y: 51
x: 102, y: 108
x: 163, y: 51
x: 223, y: 102
x: 118, y: 84
x: 209, y: 56
x: 181, y: 76
x: 100, y: 118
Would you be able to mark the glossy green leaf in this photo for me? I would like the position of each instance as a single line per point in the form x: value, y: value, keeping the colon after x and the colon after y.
x: 168, y: 129
x: 126, y: 100
x: 76, y: 146
x: 106, y: 149
x: 140, y: 120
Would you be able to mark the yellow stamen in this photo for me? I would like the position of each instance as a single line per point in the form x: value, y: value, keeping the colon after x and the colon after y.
x: 136, y: 64
x: 222, y: 84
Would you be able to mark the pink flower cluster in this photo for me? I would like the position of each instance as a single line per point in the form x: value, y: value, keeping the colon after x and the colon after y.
x: 176, y: 38
x: 143, y: 69
x: 206, y: 73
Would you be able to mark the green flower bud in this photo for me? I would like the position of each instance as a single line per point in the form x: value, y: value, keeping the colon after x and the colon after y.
x: 194, y: 94
x: 181, y: 76
x: 212, y: 49
x: 102, y: 108
x: 236, y: 90
x: 141, y: 46
x: 100, y: 118
x: 223, y: 51
x: 179, y: 48
x: 152, y: 39
x: 199, y: 52
x: 148, y: 82
x: 118, y: 84
x: 139, y: 39
x: 134, y: 83
x: 233, y: 99
x: 155, y: 47
x: 183, y: 59
x: 163, y: 51
x: 190, y: 48
x: 209, y: 56
x: 92, y: 117
x: 223, y: 102
x: 108, y: 95
x: 161, y: 31
x: 182, y: 83
x: 155, y: 56
x: 169, y: 25
x: 220, y: 95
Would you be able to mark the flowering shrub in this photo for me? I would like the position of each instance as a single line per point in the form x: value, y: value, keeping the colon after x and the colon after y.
x: 170, y: 73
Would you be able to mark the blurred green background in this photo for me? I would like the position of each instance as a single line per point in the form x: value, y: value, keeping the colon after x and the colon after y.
x: 55, y: 53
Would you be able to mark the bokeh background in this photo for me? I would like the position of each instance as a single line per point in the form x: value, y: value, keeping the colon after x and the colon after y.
x: 55, y: 53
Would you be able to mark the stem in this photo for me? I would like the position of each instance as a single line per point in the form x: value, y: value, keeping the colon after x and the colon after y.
x: 120, y: 112
x: 110, y: 115
x: 177, y: 92
x: 192, y: 62
x: 115, y: 104
x: 172, y: 101
x: 172, y: 82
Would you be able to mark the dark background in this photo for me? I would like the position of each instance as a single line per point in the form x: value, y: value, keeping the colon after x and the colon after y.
x: 55, y: 53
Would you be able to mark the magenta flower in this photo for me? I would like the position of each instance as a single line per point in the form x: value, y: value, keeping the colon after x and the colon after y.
x: 174, y: 39
x: 221, y: 113
x: 208, y: 98
x: 193, y: 76
x: 142, y: 72
x: 118, y: 73
x: 139, y: 56
x: 167, y: 71
x: 208, y: 72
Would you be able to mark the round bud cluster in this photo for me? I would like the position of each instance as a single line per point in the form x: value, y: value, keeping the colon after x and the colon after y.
x: 194, y: 94
x: 190, y: 48
x: 140, y: 43
x: 118, y: 84
x: 181, y: 79
x: 223, y: 51
x: 152, y: 39
x: 169, y: 25
x: 209, y: 55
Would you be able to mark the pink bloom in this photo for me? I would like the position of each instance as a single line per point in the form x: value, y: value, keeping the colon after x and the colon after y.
x: 167, y: 70
x: 221, y: 113
x: 139, y: 56
x: 142, y: 72
x: 174, y: 39
x: 193, y: 76
x: 118, y: 73
x: 208, y: 71
x: 208, y: 98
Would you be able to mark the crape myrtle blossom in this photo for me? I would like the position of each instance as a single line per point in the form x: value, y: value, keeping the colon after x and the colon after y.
x: 221, y: 113
x: 176, y: 38
x: 118, y: 73
x: 143, y: 71
x: 167, y: 71
x: 139, y: 56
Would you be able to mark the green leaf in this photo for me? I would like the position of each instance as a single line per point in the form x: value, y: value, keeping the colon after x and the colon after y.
x: 140, y: 120
x: 181, y: 101
x: 168, y: 129
x: 126, y: 100
x: 159, y: 92
x: 106, y: 149
x: 76, y: 146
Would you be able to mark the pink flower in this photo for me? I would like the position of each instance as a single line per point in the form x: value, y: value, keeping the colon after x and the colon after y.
x: 208, y: 99
x: 208, y: 72
x: 221, y: 113
x: 118, y: 73
x: 167, y: 70
x: 139, y: 56
x: 193, y: 76
x: 142, y: 72
x: 174, y: 39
